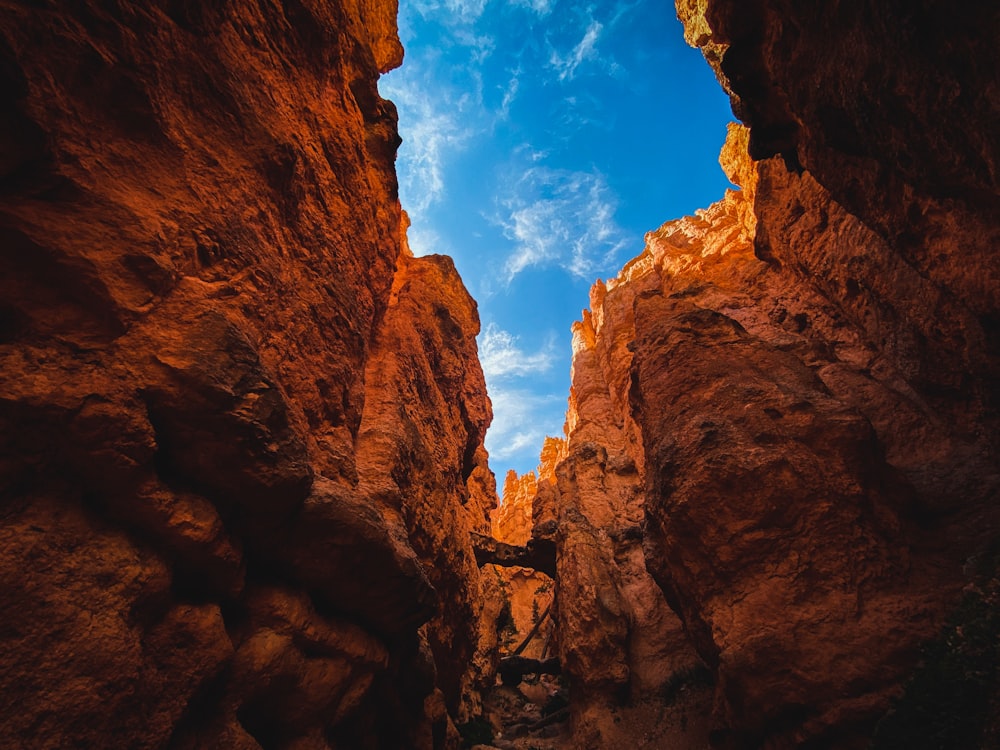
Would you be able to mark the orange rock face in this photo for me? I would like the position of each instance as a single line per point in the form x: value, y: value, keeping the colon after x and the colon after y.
x: 512, y: 521
x: 618, y: 640
x: 755, y: 425
x: 810, y: 379
x: 240, y: 429
x: 528, y: 593
x: 241, y: 426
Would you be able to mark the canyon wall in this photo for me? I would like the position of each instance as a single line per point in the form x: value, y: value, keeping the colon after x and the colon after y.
x: 785, y: 408
x: 872, y: 127
x: 240, y: 425
x: 528, y: 592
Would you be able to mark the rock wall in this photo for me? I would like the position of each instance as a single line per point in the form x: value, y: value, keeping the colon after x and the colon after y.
x: 785, y: 408
x: 512, y: 519
x: 240, y: 426
x: 883, y: 213
x: 775, y: 524
x: 619, y: 643
x: 527, y: 592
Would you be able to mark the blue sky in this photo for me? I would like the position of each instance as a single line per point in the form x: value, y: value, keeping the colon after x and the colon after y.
x: 541, y: 140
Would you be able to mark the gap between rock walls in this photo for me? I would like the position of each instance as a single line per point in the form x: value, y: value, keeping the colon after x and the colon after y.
x: 245, y: 497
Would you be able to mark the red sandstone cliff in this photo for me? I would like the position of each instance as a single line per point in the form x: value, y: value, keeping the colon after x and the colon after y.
x: 785, y: 407
x: 241, y: 429
x: 528, y: 593
x: 877, y: 220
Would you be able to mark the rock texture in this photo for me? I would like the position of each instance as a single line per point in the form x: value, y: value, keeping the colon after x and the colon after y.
x: 241, y: 460
x: 240, y: 427
x: 526, y: 567
x: 785, y: 407
x: 618, y: 641
x: 876, y: 228
x: 512, y: 519
x: 757, y: 449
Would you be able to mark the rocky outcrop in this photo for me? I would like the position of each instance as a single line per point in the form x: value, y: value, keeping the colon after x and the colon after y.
x: 788, y: 399
x: 785, y: 407
x: 537, y: 554
x: 774, y: 493
x: 523, y: 558
x: 619, y: 643
x: 240, y: 426
x: 241, y: 460
x: 512, y: 520
x: 888, y: 107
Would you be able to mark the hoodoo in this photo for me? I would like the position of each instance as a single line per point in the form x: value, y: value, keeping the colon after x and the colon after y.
x: 245, y: 498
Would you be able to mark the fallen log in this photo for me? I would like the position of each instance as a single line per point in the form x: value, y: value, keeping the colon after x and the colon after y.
x: 532, y: 633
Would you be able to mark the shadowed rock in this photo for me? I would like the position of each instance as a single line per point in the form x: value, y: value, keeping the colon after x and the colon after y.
x: 538, y: 554
x: 514, y: 668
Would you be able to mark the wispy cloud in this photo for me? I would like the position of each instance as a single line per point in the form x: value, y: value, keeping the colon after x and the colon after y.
x: 585, y: 49
x: 532, y: 154
x: 519, y: 422
x: 481, y: 46
x: 521, y: 414
x: 501, y: 357
x: 562, y: 218
x: 432, y: 131
x: 464, y: 11
x: 541, y: 7
x: 425, y: 241
x: 509, y: 94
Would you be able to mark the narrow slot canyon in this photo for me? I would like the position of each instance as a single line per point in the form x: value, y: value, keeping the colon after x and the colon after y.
x: 245, y: 497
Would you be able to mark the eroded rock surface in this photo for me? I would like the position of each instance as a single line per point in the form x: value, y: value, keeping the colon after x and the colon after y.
x: 618, y: 641
x: 812, y: 386
x: 241, y: 461
x: 240, y: 427
x: 766, y: 413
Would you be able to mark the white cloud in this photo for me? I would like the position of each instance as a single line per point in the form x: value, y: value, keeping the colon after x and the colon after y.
x: 541, y: 7
x: 502, y: 358
x: 425, y: 241
x: 509, y: 94
x: 431, y: 128
x: 562, y: 218
x: 464, y: 11
x: 519, y: 422
x: 586, y: 49
x: 531, y: 154
x: 481, y: 46
x: 522, y: 417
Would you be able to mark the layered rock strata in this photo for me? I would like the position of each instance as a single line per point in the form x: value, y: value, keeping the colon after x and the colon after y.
x: 240, y: 427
